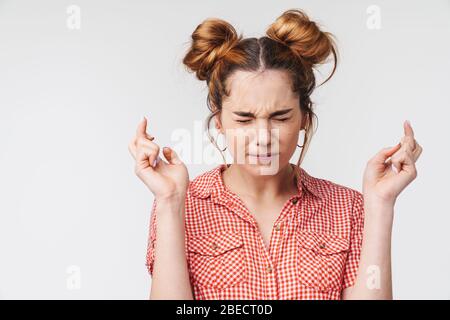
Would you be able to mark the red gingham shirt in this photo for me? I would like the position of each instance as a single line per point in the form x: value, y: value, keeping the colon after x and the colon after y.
x: 314, y: 248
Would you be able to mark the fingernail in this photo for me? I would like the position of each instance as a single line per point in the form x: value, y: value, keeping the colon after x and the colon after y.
x: 394, y: 169
x: 409, y: 123
x: 156, y: 161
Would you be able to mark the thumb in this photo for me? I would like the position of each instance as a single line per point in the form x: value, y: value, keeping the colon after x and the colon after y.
x: 171, y: 156
x: 385, y: 153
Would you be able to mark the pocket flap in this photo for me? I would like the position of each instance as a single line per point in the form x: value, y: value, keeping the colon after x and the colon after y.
x: 213, y: 244
x: 323, y: 243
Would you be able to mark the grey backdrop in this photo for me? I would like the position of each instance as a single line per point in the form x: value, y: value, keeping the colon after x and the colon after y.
x: 74, y: 217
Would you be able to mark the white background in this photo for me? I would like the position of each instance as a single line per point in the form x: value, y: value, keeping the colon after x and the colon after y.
x: 70, y: 101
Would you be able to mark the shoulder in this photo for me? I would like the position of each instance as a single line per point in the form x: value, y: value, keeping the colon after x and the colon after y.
x: 335, y: 189
x: 341, y: 207
x: 202, y: 185
x: 327, y: 188
x: 334, y: 193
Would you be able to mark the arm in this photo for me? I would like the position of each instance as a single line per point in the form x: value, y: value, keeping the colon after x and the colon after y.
x: 170, y: 279
x: 386, y: 175
x: 168, y: 180
x: 374, y: 280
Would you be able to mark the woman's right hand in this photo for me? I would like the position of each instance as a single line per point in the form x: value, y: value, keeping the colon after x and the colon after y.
x: 166, y: 180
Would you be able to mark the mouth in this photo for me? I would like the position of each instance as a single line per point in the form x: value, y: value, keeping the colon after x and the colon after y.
x: 266, y: 157
x: 263, y: 154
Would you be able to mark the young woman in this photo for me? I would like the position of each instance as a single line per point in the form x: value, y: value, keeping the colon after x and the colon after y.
x: 236, y: 233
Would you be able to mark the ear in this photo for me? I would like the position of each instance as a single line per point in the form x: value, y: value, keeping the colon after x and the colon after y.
x: 217, y: 123
x: 304, y: 121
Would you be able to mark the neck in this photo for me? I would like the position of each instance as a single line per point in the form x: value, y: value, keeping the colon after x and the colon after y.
x: 242, y: 182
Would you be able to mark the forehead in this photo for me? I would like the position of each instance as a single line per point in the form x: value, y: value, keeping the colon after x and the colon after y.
x: 259, y: 91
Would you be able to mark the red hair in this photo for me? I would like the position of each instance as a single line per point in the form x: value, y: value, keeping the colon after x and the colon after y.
x: 292, y: 43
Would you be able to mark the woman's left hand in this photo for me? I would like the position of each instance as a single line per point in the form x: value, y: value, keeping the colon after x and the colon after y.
x: 384, y: 178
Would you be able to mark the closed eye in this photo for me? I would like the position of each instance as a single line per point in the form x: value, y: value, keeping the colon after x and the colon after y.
x: 245, y: 121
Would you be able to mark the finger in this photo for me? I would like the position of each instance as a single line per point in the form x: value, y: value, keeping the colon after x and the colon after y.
x: 404, y: 157
x: 142, y: 128
x: 388, y: 164
x: 151, y: 148
x: 158, y: 161
x: 408, y: 143
x: 146, y: 156
x: 143, y: 141
x: 409, y: 132
x: 142, y: 157
x: 417, y: 152
x: 396, y: 164
x: 399, y: 158
x: 385, y: 153
x: 171, y: 156
x: 133, y: 145
x: 136, y: 139
x: 407, y: 157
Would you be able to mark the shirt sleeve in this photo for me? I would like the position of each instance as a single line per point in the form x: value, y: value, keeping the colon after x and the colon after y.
x: 356, y: 236
x: 150, y: 257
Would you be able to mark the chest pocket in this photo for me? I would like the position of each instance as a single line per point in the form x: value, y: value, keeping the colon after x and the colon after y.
x: 217, y: 260
x: 321, y: 259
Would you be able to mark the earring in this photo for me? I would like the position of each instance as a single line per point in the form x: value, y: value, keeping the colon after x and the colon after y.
x: 303, y: 140
x: 218, y: 146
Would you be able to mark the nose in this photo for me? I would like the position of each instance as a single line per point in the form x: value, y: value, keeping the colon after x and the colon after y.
x: 263, y: 134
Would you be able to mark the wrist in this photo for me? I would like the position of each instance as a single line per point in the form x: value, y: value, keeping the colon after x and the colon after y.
x: 379, y: 215
x: 171, y: 205
x: 171, y: 199
x: 377, y: 202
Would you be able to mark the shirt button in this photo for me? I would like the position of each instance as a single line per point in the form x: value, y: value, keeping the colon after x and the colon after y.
x: 295, y: 200
x: 269, y: 269
x: 278, y: 226
x: 322, y: 245
x: 213, y: 246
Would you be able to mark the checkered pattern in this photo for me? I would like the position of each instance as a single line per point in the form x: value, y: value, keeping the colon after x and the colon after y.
x: 314, y: 248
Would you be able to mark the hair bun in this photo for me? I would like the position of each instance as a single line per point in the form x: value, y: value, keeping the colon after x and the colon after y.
x: 294, y: 29
x: 212, y: 41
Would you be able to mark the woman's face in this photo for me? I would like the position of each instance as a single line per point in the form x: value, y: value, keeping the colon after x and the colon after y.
x: 261, y: 116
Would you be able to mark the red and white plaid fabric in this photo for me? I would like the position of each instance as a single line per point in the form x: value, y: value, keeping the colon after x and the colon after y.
x: 314, y: 248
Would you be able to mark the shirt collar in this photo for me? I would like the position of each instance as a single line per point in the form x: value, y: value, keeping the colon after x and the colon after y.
x: 211, y: 183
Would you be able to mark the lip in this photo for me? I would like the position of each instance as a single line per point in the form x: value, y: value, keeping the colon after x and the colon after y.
x: 266, y: 158
x: 265, y: 155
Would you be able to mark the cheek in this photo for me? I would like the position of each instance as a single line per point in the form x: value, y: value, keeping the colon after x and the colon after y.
x: 235, y: 140
x: 288, y: 138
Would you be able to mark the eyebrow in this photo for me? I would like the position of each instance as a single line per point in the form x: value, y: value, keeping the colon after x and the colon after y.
x: 249, y: 114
